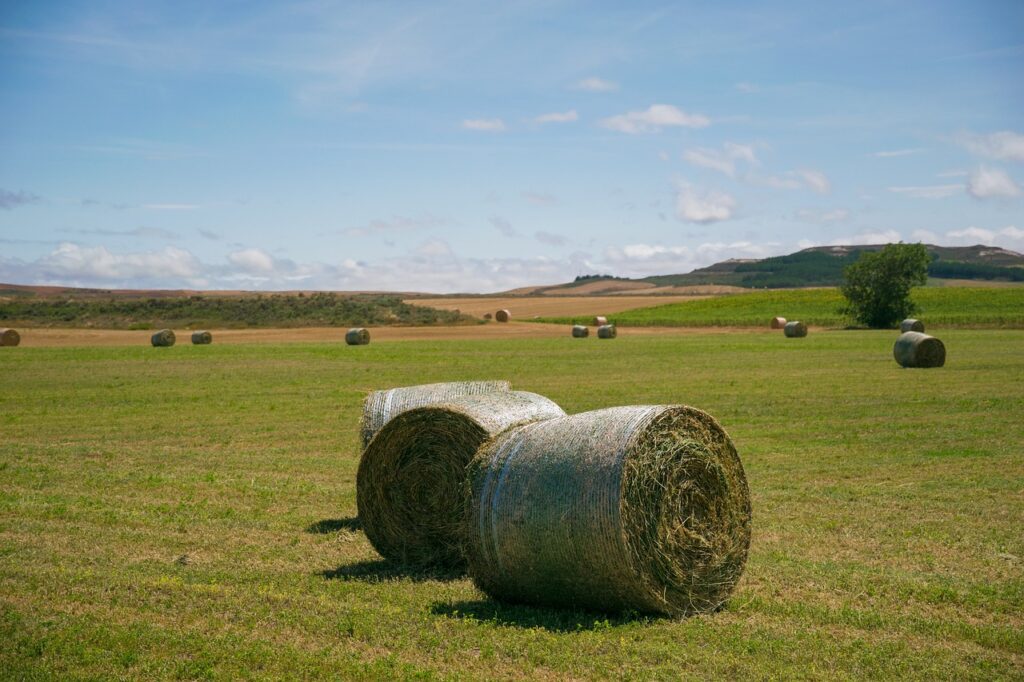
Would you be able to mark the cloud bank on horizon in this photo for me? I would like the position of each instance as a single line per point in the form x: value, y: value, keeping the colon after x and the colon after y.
x: 441, y: 147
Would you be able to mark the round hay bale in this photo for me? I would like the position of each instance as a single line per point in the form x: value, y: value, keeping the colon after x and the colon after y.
x: 380, y: 407
x: 914, y: 349
x: 9, y: 337
x: 607, y: 331
x: 488, y: 316
x: 202, y: 338
x: 778, y: 322
x: 164, y: 337
x: 911, y: 325
x: 409, y: 488
x: 600, y: 321
x: 580, y: 332
x: 795, y: 329
x: 641, y: 508
x: 503, y: 315
x: 357, y: 336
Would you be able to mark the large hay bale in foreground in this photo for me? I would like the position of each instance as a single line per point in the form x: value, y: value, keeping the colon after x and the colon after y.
x: 600, y: 321
x: 164, y: 337
x: 380, y: 407
x: 411, y: 480
x: 580, y: 332
x: 358, y: 336
x: 914, y: 349
x: 607, y: 331
x: 9, y: 337
x: 795, y: 329
x: 202, y: 338
x: 641, y: 508
x: 778, y: 322
x: 503, y: 315
x: 911, y: 325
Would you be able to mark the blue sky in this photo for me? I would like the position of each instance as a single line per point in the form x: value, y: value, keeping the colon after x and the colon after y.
x: 458, y: 146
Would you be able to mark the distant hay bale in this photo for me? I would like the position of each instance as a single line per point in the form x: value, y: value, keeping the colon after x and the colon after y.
x: 600, y: 321
x: 488, y: 316
x: 503, y: 315
x: 202, y: 338
x: 914, y: 349
x: 164, y: 337
x: 778, y: 322
x: 795, y: 329
x: 641, y: 508
x: 409, y: 488
x: 380, y: 407
x: 9, y: 337
x: 607, y: 331
x: 357, y: 336
x: 911, y: 325
x: 580, y: 332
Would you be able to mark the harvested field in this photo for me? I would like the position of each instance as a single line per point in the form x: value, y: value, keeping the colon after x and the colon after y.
x: 524, y: 308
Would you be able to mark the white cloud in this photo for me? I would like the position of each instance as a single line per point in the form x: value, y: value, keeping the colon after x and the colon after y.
x: 875, y: 237
x: 924, y: 236
x: 558, y: 117
x: 252, y: 261
x: 815, y: 180
x: 723, y: 161
x: 986, y: 183
x: 641, y: 260
x: 653, y: 119
x: 595, y: 84
x: 487, y: 125
x: 89, y: 265
x: 703, y: 206
x: 888, y: 154
x: 1009, y: 237
x: 1004, y: 145
x: 928, y: 191
x: 434, y: 247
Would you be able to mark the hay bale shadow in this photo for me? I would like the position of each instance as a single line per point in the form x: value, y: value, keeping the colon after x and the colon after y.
x: 523, y: 616
x: 324, y: 526
x: 382, y: 570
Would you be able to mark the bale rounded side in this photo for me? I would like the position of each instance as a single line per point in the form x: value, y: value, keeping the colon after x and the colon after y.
x: 600, y: 321
x: 9, y: 337
x: 911, y: 325
x: 164, y: 338
x: 580, y: 332
x: 409, y: 487
x: 202, y: 338
x: 795, y: 329
x: 607, y: 331
x: 503, y: 315
x: 641, y: 508
x: 914, y: 349
x: 357, y: 336
x: 778, y: 322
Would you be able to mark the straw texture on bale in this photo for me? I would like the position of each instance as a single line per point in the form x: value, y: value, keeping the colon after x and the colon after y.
x: 795, y: 329
x: 380, y: 407
x: 411, y: 479
x: 914, y: 349
x: 201, y: 338
x: 911, y: 325
x: 778, y: 322
x: 164, y: 337
x: 607, y: 331
x: 641, y: 508
x: 580, y: 332
x: 9, y: 337
x: 503, y: 315
x: 488, y: 316
x: 357, y: 336
x: 600, y: 321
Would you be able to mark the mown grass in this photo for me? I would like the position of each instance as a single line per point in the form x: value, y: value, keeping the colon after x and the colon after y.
x: 948, y: 306
x: 189, y: 513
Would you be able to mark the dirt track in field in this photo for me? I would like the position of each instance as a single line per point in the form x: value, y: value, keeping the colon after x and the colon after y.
x: 525, y: 308
x: 109, y: 337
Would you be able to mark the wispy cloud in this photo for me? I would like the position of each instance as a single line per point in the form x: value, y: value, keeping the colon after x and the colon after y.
x: 540, y: 198
x: 821, y: 217
x: 550, y: 238
x: 695, y: 205
x: 503, y: 226
x: 813, y: 180
x: 988, y: 183
x: 724, y: 160
x: 396, y: 224
x: 928, y: 191
x: 558, y: 117
x: 172, y: 207
x: 654, y: 119
x: 144, y: 232
x: 595, y: 84
x: 486, y: 125
x: 888, y: 154
x: 1003, y: 145
x: 14, y: 198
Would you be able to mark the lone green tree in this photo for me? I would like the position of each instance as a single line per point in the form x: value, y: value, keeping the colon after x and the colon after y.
x: 877, y: 286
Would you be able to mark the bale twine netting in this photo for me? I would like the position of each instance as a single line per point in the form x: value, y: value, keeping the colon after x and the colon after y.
x: 640, y: 508
x: 914, y: 349
x: 9, y: 337
x: 580, y: 332
x: 164, y: 337
x: 600, y: 321
x: 380, y: 407
x: 607, y: 331
x: 911, y: 325
x: 778, y: 322
x: 411, y: 480
x: 503, y: 315
x: 202, y: 338
x: 357, y: 336
x: 795, y: 329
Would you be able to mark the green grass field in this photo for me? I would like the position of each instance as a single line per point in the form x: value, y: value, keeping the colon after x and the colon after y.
x: 189, y: 513
x: 947, y: 306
